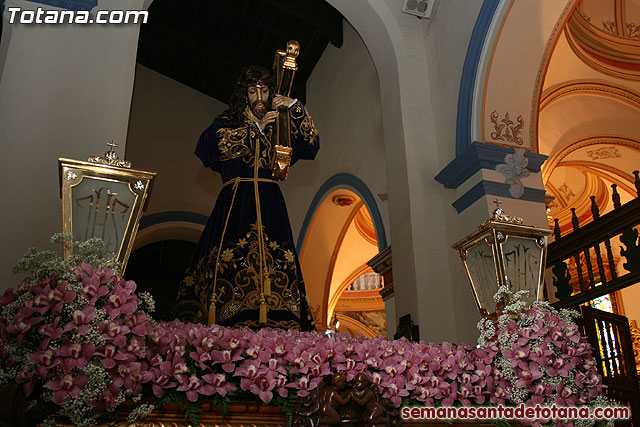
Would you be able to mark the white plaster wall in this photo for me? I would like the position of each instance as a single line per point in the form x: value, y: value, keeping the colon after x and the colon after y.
x: 65, y: 90
x: 417, y: 204
x: 446, y: 51
x: 167, y: 119
x: 343, y: 98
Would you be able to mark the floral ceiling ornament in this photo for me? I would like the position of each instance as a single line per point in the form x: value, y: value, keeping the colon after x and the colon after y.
x: 506, y: 129
x: 633, y: 30
x: 604, y: 153
x: 610, y: 27
x: 514, y: 169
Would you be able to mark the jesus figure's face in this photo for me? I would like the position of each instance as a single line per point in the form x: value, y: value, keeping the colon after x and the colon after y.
x: 258, y: 96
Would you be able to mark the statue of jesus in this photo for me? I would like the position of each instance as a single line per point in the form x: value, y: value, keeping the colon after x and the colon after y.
x: 245, y: 270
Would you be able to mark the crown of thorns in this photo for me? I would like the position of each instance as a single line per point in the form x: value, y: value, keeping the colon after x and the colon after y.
x: 253, y: 82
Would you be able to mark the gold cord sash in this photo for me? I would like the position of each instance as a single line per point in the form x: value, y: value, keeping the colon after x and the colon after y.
x: 264, y: 281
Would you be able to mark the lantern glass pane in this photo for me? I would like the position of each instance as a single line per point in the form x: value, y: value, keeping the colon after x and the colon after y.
x: 482, y: 270
x: 101, y: 208
x: 522, y: 257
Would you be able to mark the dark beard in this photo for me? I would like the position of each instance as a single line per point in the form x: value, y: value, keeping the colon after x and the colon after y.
x: 259, y: 109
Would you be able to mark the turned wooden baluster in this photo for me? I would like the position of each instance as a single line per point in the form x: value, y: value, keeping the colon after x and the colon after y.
x: 637, y: 182
x: 607, y: 243
x: 615, y: 196
x: 576, y: 257
x: 556, y: 230
x: 595, y: 213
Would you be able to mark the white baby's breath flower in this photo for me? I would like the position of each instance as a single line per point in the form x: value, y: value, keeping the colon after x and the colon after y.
x: 140, y: 412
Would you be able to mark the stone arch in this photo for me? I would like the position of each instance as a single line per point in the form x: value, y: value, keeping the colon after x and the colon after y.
x: 396, y: 44
x: 174, y: 225
x: 498, y: 78
x: 353, y: 183
x: 332, y: 245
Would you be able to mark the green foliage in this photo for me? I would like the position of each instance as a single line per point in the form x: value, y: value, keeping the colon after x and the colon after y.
x: 222, y: 403
x: 191, y: 409
x: 287, y: 404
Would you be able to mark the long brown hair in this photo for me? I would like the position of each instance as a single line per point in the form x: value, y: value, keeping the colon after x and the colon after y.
x: 251, y: 75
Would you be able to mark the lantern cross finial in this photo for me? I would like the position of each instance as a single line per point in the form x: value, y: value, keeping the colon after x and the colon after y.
x: 498, y: 203
x: 112, y: 145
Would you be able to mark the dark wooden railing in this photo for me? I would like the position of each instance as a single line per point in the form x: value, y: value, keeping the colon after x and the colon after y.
x: 583, y: 264
x: 583, y: 267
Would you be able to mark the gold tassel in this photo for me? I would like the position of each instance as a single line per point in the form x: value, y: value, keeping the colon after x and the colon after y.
x: 262, y: 319
x: 267, y: 286
x: 212, y: 312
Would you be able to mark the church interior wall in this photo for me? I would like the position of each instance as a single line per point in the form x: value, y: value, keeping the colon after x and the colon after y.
x: 167, y: 118
x: 60, y: 96
x: 343, y: 97
x: 418, y: 228
x: 446, y: 51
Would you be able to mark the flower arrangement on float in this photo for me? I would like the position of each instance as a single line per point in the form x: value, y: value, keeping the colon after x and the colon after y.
x: 81, y: 338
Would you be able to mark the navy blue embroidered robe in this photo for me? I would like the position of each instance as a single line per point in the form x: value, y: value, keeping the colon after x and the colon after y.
x: 246, y: 255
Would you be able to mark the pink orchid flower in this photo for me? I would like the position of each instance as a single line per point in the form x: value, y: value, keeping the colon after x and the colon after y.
x: 394, y: 389
x: 137, y: 322
x: 121, y: 300
x: 304, y: 385
x: 66, y: 386
x: 227, y: 358
x: 110, y: 356
x: 92, y: 289
x: 220, y: 383
x: 45, y: 360
x: 75, y: 355
x: 80, y: 320
x: 50, y: 332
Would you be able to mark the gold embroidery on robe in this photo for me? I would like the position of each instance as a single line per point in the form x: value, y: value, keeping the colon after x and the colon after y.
x: 307, y: 128
x: 233, y: 143
x: 244, y: 257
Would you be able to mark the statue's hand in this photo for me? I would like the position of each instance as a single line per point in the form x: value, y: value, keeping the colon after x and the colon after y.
x: 280, y: 100
x: 269, y: 117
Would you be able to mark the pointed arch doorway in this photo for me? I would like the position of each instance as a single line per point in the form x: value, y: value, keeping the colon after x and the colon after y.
x: 342, y: 231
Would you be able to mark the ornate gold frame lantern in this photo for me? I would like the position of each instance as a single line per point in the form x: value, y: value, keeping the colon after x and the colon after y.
x: 103, y: 198
x: 504, y: 252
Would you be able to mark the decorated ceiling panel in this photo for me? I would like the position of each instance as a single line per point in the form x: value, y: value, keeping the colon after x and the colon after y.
x: 590, y: 109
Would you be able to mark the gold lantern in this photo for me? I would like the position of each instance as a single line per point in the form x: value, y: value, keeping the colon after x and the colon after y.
x: 103, y: 198
x: 504, y: 252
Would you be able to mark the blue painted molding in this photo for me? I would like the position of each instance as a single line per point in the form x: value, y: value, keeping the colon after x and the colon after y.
x: 345, y: 180
x: 480, y: 155
x: 179, y: 216
x: 69, y: 4
x: 493, y: 188
x: 469, y: 72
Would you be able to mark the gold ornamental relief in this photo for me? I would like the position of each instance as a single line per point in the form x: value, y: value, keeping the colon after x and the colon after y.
x: 281, y: 162
x: 506, y: 129
x: 635, y: 340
